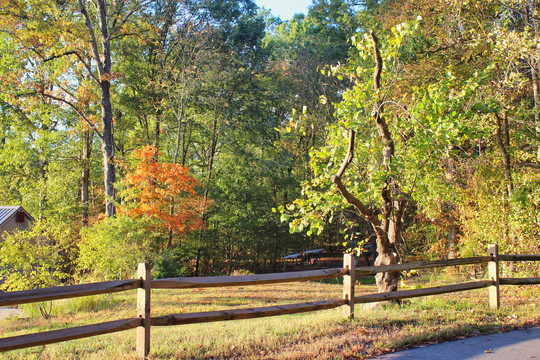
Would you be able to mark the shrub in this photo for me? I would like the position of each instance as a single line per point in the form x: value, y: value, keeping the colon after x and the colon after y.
x: 112, y: 248
x: 172, y: 263
x: 31, y: 259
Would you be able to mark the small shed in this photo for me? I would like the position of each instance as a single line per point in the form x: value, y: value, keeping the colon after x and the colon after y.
x: 14, y: 217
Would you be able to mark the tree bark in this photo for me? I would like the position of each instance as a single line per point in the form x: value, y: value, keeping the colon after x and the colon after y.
x: 104, y: 64
x: 535, y: 66
x: 392, y: 208
x: 450, y: 219
x: 108, y: 148
x: 44, y: 179
x: 157, y: 131
x: 86, y: 156
x: 502, y: 138
x: 452, y: 241
x: 388, y: 228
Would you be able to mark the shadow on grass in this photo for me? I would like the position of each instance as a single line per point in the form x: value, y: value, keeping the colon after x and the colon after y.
x: 364, y: 280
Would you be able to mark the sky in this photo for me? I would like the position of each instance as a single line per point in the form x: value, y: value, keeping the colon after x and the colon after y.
x: 285, y: 9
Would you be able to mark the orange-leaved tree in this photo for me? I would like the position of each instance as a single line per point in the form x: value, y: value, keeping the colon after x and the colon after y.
x: 165, y: 192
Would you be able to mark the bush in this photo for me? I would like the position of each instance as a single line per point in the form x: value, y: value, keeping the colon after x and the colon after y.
x: 112, y: 248
x: 172, y: 263
x: 31, y: 259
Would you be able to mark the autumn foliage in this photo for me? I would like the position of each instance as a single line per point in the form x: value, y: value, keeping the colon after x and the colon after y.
x: 164, y: 192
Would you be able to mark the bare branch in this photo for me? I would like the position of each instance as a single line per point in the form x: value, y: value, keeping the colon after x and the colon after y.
x: 350, y: 154
x: 519, y: 11
x: 378, y: 59
x: 57, y: 56
x: 116, y: 27
x: 92, y: 36
x: 70, y: 104
x: 350, y: 198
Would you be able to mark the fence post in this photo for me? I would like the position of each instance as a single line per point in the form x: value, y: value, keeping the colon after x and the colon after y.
x: 348, y: 285
x: 143, y: 310
x: 493, y: 274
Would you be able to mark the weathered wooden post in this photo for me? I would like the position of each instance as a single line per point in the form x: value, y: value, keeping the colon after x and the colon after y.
x: 143, y: 311
x: 348, y: 285
x: 493, y: 274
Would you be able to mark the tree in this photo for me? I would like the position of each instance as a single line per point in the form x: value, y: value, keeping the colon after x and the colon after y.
x: 153, y: 189
x: 397, y: 144
x: 66, y: 53
x: 494, y: 174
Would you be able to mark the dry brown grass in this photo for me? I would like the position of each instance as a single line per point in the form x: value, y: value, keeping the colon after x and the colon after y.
x: 321, y: 335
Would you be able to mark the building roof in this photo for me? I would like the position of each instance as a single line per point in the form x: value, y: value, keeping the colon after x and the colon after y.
x: 6, y: 212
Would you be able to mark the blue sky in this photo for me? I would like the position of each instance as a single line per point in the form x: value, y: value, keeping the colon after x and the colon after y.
x: 285, y: 9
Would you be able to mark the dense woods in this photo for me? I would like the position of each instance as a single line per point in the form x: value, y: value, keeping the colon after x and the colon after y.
x: 207, y: 137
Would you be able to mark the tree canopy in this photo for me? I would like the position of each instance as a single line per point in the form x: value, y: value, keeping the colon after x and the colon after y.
x: 216, y: 137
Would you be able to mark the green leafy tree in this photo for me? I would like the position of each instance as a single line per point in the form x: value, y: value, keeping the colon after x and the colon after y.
x: 494, y: 174
x: 65, y: 51
x: 388, y: 145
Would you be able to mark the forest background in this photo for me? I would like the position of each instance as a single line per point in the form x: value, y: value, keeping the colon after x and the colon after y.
x: 205, y: 137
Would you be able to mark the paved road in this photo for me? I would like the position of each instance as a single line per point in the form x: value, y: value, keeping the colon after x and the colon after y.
x: 514, y: 345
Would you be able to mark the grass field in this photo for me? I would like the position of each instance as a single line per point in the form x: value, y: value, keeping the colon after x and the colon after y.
x: 321, y: 335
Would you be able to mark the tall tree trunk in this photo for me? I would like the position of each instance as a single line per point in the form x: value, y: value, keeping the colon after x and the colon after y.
x: 44, y: 179
x: 106, y: 112
x: 535, y: 62
x: 104, y: 64
x: 180, y: 137
x: 502, y: 138
x: 276, y: 233
x: 389, y: 230
x: 452, y: 241
x: 108, y: 148
x: 211, y: 156
x: 157, y: 131
x: 388, y: 226
x: 197, y: 261
x: 451, y: 219
x: 86, y: 156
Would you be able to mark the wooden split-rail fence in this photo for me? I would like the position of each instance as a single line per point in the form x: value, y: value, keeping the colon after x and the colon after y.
x: 144, y: 284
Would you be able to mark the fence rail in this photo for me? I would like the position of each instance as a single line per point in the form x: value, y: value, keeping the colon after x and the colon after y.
x: 67, y: 292
x: 519, y: 257
x: 239, y: 314
x: 76, y: 332
x: 406, y: 294
x: 145, y: 284
x: 372, y: 270
x: 519, y: 281
x: 223, y: 281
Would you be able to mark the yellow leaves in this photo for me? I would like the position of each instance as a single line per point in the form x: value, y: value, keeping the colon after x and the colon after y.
x: 86, y: 94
